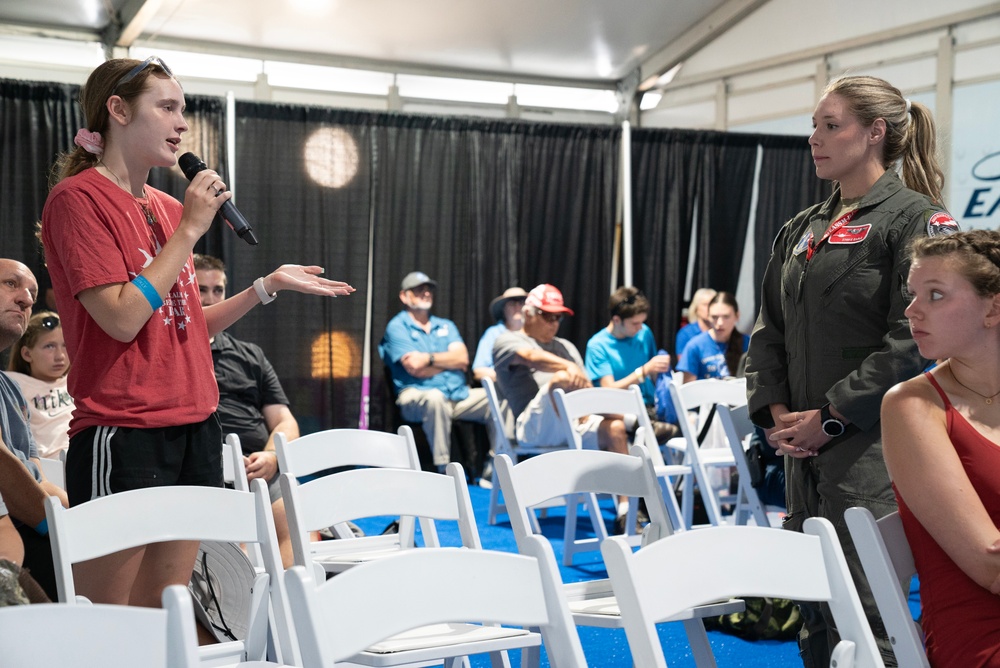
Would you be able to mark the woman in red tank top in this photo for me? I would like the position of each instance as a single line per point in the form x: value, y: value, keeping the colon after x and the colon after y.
x: 941, y: 435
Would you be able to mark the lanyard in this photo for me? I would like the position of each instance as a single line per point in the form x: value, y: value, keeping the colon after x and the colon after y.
x: 833, y: 229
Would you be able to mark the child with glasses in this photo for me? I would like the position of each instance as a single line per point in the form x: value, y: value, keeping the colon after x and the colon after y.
x: 39, y: 363
x: 119, y: 255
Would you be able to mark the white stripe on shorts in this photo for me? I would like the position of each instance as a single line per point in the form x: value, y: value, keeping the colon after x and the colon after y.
x: 100, y: 477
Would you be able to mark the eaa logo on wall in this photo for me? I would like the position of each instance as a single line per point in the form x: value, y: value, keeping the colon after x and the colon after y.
x: 984, y: 201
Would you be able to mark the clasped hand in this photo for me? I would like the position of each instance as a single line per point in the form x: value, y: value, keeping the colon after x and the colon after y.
x: 797, y: 434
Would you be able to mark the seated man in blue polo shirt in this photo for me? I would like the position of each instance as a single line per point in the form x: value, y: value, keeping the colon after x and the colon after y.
x: 428, y: 360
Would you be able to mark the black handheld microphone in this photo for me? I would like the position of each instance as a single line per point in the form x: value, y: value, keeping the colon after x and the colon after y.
x: 191, y: 164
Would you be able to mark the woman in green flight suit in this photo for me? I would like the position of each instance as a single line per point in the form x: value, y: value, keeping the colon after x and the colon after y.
x: 831, y: 337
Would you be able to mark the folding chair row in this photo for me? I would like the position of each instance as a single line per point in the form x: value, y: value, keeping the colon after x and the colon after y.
x: 436, y: 604
x: 649, y: 589
x: 93, y: 529
x: 572, y: 406
x: 700, y: 397
x: 593, y: 602
x: 392, y: 486
x: 101, y: 636
x: 141, y: 517
x: 626, y: 403
x: 505, y: 443
x: 888, y: 564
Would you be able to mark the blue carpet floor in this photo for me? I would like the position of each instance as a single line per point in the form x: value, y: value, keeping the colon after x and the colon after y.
x: 608, y: 648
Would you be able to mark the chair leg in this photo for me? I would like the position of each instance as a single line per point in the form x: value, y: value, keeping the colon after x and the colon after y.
x: 531, y: 657
x: 495, y: 506
x: 701, y: 650
x: 569, y: 531
x: 499, y: 660
x: 673, y: 508
x: 687, y: 501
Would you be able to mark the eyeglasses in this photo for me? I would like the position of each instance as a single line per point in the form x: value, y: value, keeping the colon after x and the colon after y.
x: 134, y: 72
x: 49, y: 322
x: 550, y: 317
x: 422, y: 288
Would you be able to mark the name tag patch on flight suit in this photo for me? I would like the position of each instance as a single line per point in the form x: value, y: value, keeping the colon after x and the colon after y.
x: 850, y: 234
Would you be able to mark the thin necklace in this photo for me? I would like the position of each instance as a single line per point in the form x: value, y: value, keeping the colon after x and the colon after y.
x: 989, y: 399
x: 150, y: 218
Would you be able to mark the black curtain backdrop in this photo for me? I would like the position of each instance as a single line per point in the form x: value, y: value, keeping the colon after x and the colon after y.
x: 678, y: 174
x: 480, y: 205
x: 314, y: 343
x: 37, y: 122
x: 665, y: 170
x: 483, y: 205
x: 788, y: 184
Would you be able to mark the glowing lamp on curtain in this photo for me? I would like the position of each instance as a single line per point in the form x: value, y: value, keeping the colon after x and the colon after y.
x: 334, y: 355
x: 331, y: 157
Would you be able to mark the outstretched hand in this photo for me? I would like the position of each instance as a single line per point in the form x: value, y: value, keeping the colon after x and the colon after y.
x: 304, y: 279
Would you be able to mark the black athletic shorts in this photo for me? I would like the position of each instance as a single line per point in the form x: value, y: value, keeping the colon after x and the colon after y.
x: 106, y: 460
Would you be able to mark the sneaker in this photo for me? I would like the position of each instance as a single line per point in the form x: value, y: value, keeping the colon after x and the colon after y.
x: 665, y: 431
x: 641, y: 520
x: 326, y: 533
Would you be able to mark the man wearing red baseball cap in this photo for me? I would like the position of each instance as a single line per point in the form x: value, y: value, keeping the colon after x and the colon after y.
x: 531, y: 363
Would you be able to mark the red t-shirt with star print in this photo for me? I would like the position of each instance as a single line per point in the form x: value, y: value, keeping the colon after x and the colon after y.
x: 96, y: 234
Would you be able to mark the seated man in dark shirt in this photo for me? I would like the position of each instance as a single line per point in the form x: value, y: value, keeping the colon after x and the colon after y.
x: 252, y: 403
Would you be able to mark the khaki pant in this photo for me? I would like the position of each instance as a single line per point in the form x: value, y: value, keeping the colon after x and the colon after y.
x: 436, y: 412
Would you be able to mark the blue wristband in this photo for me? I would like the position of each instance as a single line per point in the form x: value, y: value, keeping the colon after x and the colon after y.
x: 43, y: 527
x: 148, y: 291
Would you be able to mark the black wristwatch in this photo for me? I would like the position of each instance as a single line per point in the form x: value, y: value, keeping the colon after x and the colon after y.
x: 831, y: 426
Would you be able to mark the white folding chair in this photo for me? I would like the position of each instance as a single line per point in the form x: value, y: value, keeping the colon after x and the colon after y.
x: 888, y: 564
x: 101, y: 636
x: 592, y: 602
x: 423, y: 605
x: 736, y: 425
x: 54, y: 470
x: 375, y: 492
x: 506, y: 444
x: 233, y: 470
x: 697, y: 567
x: 139, y: 517
x: 701, y: 396
x: 614, y: 401
x: 346, y: 448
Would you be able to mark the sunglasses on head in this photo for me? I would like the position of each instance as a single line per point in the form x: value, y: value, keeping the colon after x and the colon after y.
x: 134, y: 72
x: 49, y: 322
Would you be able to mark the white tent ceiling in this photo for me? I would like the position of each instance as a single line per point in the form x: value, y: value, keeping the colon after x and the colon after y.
x: 595, y: 42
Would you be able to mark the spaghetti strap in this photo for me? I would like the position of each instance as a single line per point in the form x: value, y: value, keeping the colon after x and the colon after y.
x: 944, y: 397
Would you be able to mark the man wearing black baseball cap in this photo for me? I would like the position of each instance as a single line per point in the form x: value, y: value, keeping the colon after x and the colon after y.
x: 428, y: 360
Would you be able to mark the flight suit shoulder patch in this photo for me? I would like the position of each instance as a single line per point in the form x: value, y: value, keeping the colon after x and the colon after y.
x: 939, y: 223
